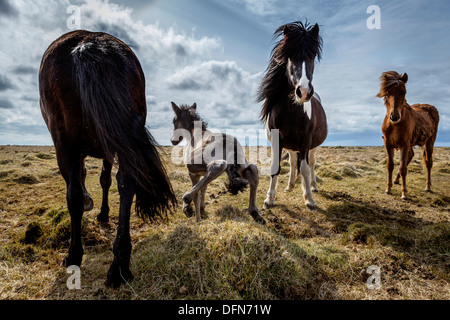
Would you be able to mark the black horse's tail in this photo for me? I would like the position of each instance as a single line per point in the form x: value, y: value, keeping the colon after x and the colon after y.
x: 110, y: 83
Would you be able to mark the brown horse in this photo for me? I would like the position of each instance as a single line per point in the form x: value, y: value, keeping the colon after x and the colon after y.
x: 404, y: 127
x: 92, y: 97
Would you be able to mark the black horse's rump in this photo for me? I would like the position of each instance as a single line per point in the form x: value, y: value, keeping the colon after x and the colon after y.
x: 92, y: 96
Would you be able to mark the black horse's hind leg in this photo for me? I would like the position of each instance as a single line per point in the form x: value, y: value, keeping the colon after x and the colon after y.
x: 71, y: 169
x: 88, y: 204
x: 119, y: 272
x: 105, y: 181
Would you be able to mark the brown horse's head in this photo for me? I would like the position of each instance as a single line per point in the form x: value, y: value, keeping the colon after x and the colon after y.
x: 393, y: 90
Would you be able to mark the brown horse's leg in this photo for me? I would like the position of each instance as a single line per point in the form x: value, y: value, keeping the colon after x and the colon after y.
x: 87, y: 199
x: 428, y: 159
x: 105, y: 182
x: 390, y: 167
x: 70, y: 165
x: 250, y: 173
x: 119, y: 272
x: 404, y: 154
x: 410, y: 156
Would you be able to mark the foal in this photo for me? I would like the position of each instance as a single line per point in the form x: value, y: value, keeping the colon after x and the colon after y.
x: 404, y: 127
x: 210, y: 154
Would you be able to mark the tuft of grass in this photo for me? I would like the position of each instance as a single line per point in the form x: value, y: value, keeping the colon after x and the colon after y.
x: 26, y: 179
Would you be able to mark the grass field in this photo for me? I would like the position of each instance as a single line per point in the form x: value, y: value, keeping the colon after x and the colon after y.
x: 299, y: 254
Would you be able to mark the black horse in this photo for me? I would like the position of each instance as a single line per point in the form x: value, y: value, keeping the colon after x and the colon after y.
x: 290, y: 104
x: 92, y: 97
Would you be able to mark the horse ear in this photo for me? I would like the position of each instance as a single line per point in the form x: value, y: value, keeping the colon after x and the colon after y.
x: 315, y: 30
x: 194, y: 106
x: 175, y: 108
x: 404, y: 77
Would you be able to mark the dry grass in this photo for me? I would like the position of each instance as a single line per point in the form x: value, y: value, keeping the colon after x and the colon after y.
x: 299, y: 254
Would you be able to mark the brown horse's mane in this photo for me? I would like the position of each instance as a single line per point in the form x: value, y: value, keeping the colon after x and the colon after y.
x: 389, y: 80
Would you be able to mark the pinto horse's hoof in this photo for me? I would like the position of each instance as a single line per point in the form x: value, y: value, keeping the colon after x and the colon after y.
x: 311, y: 205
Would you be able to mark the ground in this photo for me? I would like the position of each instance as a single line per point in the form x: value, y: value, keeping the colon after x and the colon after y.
x: 299, y: 254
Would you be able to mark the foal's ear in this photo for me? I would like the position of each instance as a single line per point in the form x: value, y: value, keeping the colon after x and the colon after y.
x: 194, y: 106
x: 404, y: 77
x: 315, y: 30
x: 175, y: 108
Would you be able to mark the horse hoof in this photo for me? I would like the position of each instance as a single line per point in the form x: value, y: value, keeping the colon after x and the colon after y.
x: 268, y: 205
x: 88, y: 202
x: 396, y: 182
x: 404, y: 198
x: 314, y: 189
x: 71, y: 261
x: 288, y: 189
x: 311, y: 205
x: 115, y: 278
x: 102, y: 218
x: 388, y: 192
x: 257, y: 217
x: 188, y: 211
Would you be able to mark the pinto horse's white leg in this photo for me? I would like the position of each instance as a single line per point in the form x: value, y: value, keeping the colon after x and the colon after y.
x: 292, y: 170
x: 312, y: 163
x: 305, y: 172
x: 275, y: 171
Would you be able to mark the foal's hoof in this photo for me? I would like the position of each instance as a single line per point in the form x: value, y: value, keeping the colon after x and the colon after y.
x: 315, y: 189
x: 88, y: 202
x: 188, y: 210
x: 257, y: 217
x: 288, y: 189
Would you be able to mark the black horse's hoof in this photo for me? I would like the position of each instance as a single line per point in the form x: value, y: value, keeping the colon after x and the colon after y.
x: 88, y: 204
x: 102, y: 218
x: 71, y: 261
x: 115, y: 279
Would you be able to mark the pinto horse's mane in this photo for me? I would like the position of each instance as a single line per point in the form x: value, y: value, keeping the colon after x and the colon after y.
x: 296, y: 44
x: 389, y: 80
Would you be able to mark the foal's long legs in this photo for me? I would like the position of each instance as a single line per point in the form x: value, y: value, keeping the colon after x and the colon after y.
x: 250, y: 173
x: 119, y: 272
x: 214, y: 169
x: 105, y: 182
x: 71, y: 165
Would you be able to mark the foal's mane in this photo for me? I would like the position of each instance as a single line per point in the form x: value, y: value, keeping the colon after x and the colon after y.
x: 193, y: 115
x: 297, y: 43
x: 389, y: 80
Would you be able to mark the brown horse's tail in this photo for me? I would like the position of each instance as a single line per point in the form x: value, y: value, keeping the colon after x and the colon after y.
x: 110, y: 81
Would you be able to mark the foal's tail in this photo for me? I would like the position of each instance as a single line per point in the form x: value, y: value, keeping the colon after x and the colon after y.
x: 108, y: 104
x: 236, y: 182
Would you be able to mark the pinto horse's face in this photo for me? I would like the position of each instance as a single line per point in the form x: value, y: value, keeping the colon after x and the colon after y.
x: 300, y: 75
x: 300, y: 49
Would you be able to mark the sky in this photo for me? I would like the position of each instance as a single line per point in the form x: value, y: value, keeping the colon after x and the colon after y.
x: 215, y: 53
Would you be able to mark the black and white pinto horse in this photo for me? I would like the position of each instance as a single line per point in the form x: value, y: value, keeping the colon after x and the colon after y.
x: 292, y: 107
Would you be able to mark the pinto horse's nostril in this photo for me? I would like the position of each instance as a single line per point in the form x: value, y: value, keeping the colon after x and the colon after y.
x: 298, y: 92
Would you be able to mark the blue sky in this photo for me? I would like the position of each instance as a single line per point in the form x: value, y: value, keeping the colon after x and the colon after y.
x: 215, y: 53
